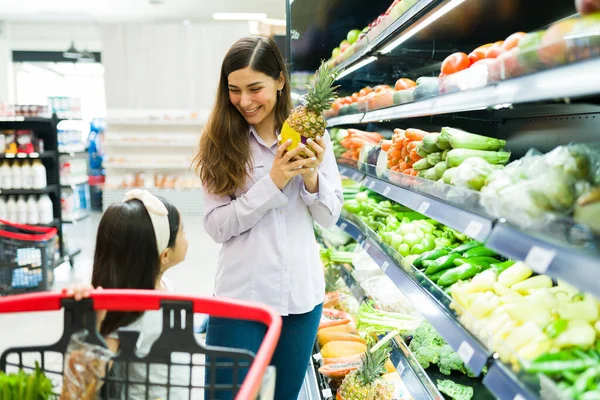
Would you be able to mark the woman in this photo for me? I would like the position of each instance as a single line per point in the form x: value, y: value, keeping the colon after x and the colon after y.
x: 260, y: 201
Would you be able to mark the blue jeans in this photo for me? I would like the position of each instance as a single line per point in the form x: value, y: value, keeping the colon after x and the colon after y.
x: 291, y: 356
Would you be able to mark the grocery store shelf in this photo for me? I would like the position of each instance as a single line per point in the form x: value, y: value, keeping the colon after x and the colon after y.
x: 142, y: 166
x: 24, y: 192
x: 147, y: 143
x: 45, y: 154
x: 354, y: 287
x: 571, y: 265
x: 471, y: 351
x: 78, y: 182
x: 541, y: 252
x: 310, y: 387
x: 345, y: 120
x: 544, y: 85
x: 161, y: 122
x: 352, y: 173
x: 504, y: 385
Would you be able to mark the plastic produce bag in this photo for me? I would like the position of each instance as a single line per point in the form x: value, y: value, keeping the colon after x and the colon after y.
x: 472, y: 173
x: 85, y: 366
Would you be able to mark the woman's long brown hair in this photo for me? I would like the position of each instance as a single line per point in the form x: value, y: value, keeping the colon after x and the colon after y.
x: 224, y: 152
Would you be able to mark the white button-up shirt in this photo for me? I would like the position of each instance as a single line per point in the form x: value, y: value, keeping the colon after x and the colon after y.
x: 269, y: 252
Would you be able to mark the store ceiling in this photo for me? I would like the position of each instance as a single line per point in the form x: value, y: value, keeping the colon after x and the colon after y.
x: 132, y: 10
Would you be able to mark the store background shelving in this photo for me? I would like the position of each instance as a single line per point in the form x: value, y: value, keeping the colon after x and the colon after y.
x: 144, y: 145
x: 540, y: 110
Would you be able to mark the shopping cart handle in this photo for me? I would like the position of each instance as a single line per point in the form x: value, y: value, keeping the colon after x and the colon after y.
x: 145, y: 300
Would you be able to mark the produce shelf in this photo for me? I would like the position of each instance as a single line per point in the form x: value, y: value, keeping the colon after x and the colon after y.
x: 354, y: 287
x: 30, y: 156
x: 539, y: 86
x: 312, y: 386
x: 435, y: 310
x: 504, y: 385
x: 572, y: 265
x: 544, y: 253
x: 352, y: 173
x: 345, y: 120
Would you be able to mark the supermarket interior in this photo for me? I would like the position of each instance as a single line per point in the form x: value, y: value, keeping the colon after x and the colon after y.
x: 465, y: 259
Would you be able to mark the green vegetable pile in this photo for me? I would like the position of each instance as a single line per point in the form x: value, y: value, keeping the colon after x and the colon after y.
x: 23, y: 386
x: 454, y: 390
x: 576, y: 371
x: 380, y: 322
x: 430, y: 348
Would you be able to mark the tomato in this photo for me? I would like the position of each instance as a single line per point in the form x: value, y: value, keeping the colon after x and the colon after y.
x: 455, y: 62
x: 365, y: 91
x: 495, y: 50
x: 381, y: 88
x: 512, y: 41
x: 405, y: 83
x: 354, y: 97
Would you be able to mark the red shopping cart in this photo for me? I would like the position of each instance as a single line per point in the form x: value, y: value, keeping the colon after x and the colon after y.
x: 177, y: 337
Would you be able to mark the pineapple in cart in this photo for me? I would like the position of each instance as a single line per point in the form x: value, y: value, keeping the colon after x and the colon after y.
x: 306, y: 121
x: 367, y: 383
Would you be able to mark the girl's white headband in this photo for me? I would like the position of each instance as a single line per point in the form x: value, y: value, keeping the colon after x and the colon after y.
x: 158, y: 215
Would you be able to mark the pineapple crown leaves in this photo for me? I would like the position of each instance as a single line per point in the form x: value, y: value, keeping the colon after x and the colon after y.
x: 373, y: 363
x: 332, y: 274
x: 322, y: 93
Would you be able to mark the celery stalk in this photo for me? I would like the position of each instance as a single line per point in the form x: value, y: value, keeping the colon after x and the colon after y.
x: 460, y: 139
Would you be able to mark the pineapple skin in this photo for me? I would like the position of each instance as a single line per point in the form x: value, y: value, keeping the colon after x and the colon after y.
x: 301, y: 125
x: 351, y: 389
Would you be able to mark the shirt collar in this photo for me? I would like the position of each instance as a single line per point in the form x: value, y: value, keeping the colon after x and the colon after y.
x: 252, y: 132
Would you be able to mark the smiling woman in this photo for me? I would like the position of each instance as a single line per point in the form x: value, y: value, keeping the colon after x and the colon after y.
x: 260, y: 201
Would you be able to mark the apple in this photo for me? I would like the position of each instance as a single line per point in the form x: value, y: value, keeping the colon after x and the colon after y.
x: 344, y: 45
x: 336, y: 52
x: 353, y: 36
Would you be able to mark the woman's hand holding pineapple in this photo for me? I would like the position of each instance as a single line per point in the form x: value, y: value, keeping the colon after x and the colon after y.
x: 315, y: 151
x: 285, y: 166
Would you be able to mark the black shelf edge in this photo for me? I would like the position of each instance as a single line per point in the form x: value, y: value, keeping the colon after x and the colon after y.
x: 503, y: 384
x: 27, y: 119
x: 18, y: 192
x: 472, y: 352
x: 517, y: 90
x: 30, y: 156
x: 543, y: 256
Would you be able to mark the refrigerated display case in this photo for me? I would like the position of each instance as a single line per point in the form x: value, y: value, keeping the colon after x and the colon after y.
x: 522, y: 74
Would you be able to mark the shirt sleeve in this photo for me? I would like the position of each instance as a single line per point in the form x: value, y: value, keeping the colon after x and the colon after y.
x: 325, y: 206
x: 225, y: 218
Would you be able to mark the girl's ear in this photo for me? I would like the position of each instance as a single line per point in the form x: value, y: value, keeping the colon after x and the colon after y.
x: 165, y: 257
x: 281, y: 81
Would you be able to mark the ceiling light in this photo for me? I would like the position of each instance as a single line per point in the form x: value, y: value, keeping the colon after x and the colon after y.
x: 356, y: 66
x: 422, y: 25
x: 72, y: 53
x: 275, y: 22
x: 240, y: 16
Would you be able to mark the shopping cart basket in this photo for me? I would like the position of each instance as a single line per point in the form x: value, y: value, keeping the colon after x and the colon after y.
x: 27, y: 254
x: 177, y: 337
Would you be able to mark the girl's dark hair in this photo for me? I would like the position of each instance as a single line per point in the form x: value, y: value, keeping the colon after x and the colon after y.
x: 224, y: 151
x: 126, y: 255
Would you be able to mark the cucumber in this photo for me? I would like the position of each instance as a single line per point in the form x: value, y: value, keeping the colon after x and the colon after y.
x: 466, y: 247
x: 460, y: 273
x: 429, y: 255
x: 435, y: 277
x: 441, y: 264
x: 480, y: 251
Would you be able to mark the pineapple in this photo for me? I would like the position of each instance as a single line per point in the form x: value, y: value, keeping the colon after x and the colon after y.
x: 306, y: 121
x: 366, y: 383
x: 332, y: 274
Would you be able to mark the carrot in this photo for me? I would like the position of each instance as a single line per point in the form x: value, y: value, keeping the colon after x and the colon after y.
x: 403, y: 153
x: 372, y: 136
x: 402, y: 166
x: 386, y: 144
x: 415, y: 134
x: 409, y: 171
x: 345, y: 142
x: 412, y: 145
x: 414, y: 156
x: 358, y: 142
x: 414, y: 172
x: 400, y: 132
x: 405, y: 142
x: 409, y: 162
x: 395, y: 153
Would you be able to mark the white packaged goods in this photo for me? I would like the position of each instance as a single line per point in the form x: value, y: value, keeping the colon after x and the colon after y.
x: 39, y: 175
x: 3, y: 210
x: 45, y: 210
x: 11, y: 208
x: 15, y: 170
x: 26, y: 177
x: 33, y: 216
x: 5, y: 176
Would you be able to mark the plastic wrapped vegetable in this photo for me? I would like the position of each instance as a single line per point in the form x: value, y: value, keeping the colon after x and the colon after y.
x: 472, y: 173
x: 460, y: 139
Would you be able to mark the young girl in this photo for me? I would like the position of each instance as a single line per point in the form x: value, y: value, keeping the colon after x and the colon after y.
x: 260, y: 201
x: 138, y: 240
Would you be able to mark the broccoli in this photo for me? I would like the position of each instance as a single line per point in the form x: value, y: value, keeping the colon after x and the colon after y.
x: 454, y: 390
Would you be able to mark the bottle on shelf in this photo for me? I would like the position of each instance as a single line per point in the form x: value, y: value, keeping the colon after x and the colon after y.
x: 45, y: 209
x: 5, y: 176
x: 33, y: 215
x: 11, y: 209
x: 15, y: 170
x: 39, y: 175
x: 2, y: 143
x: 3, y: 210
x: 21, y: 210
x: 26, y: 175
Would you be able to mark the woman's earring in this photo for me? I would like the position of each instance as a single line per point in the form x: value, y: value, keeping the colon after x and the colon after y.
x: 279, y: 93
